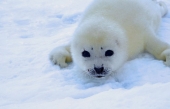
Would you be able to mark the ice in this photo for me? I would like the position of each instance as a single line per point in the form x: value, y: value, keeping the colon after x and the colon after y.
x: 29, y: 30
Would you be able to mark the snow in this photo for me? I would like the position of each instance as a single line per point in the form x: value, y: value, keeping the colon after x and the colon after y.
x: 29, y: 30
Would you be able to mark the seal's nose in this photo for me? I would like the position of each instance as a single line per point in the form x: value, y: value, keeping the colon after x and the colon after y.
x: 99, y: 70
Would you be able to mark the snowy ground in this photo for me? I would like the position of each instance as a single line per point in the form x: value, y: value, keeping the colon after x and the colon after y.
x: 30, y: 29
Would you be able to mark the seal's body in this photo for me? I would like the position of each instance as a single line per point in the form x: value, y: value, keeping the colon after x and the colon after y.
x: 112, y: 32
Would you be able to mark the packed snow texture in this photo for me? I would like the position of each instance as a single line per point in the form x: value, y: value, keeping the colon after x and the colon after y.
x: 30, y: 29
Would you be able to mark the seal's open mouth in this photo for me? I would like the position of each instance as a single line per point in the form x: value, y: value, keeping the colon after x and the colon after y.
x: 100, y: 76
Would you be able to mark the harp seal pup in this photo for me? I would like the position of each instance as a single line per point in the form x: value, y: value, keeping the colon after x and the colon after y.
x: 111, y: 32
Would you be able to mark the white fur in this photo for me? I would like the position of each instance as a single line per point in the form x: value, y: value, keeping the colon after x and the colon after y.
x: 128, y: 27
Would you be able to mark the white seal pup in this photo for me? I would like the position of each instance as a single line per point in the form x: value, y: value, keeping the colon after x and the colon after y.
x: 112, y: 32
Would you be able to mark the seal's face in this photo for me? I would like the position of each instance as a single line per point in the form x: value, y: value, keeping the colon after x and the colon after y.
x: 98, y: 51
x: 98, y: 61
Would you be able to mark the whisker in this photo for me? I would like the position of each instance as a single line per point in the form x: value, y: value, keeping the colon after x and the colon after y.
x: 85, y: 73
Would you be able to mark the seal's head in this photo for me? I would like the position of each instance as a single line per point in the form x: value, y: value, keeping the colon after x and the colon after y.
x: 99, y: 48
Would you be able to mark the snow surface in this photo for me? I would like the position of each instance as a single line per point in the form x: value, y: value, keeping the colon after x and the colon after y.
x: 30, y: 29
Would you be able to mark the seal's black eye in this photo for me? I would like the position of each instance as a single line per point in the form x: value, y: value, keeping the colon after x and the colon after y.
x: 109, y: 53
x: 85, y: 54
